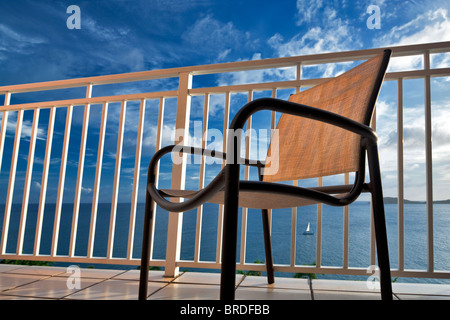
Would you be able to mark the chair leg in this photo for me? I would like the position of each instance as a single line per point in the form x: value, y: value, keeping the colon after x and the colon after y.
x: 379, y: 223
x: 146, y: 243
x: 267, y: 240
x: 267, y: 246
x: 229, y: 241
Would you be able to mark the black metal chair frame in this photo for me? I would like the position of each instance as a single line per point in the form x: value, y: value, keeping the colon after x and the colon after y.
x: 228, y: 180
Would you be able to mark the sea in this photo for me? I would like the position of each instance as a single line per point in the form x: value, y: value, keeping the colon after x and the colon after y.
x: 332, y: 243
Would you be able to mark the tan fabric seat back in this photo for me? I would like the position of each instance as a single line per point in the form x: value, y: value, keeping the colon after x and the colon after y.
x: 309, y: 148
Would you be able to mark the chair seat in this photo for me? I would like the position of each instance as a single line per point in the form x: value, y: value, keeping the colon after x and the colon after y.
x: 259, y: 199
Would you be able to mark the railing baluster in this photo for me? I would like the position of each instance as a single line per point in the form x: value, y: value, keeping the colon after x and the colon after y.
x: 246, y: 176
x: 201, y: 183
x: 137, y: 169
x: 293, y: 231
x: 115, y: 193
x: 294, y: 210
x: 273, y: 126
x: 43, y: 194
x: 400, y: 180
x: 346, y: 228
x: 26, y: 187
x: 226, y: 119
x: 98, y: 173
x: 319, y: 230
x: 178, y: 173
x: 429, y: 162
x: 12, y: 180
x: 3, y: 128
x: 157, y: 147
x: 372, y: 229
x: 62, y: 177
x: 79, y: 183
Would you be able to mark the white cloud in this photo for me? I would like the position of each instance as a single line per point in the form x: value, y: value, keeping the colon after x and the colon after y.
x: 216, y: 105
x: 307, y: 10
x: 213, y: 38
x: 414, y: 149
x: 15, y: 42
x: 256, y: 76
x: 223, y: 54
x: 19, y: 39
x: 329, y: 32
x: 86, y: 190
x: 441, y: 129
x: 334, y: 35
x: 27, y: 127
x: 134, y: 59
x: 432, y: 26
x: 168, y: 137
x: 383, y: 108
x: 426, y: 27
x: 36, y: 185
x: 101, y: 32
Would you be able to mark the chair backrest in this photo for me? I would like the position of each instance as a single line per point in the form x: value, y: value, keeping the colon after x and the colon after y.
x: 308, y: 148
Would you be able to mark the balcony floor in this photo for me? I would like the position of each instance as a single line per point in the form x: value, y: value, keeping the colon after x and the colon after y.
x: 33, y: 282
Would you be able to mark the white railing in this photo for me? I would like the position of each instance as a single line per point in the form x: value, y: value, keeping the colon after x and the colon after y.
x: 290, y: 77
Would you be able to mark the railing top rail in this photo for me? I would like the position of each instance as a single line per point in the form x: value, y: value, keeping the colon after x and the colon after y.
x: 334, y: 57
x: 84, y: 101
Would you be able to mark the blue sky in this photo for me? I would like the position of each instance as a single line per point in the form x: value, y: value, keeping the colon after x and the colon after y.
x: 124, y: 36
x: 127, y: 36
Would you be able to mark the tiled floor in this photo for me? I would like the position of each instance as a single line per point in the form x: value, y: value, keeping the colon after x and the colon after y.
x: 25, y: 282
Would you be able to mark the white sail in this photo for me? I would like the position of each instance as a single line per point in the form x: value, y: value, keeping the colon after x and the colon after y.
x: 308, y: 230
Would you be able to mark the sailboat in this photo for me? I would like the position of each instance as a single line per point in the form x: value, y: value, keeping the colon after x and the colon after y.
x: 308, y: 230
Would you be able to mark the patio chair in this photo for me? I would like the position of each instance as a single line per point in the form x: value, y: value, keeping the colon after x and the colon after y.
x: 322, y: 131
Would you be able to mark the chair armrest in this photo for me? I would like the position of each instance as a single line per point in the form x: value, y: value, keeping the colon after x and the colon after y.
x: 197, y: 151
x: 205, y: 194
x: 215, y: 154
x: 303, y: 111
